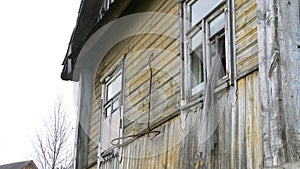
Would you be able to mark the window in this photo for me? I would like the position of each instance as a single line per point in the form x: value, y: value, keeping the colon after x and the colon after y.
x: 197, y: 65
x: 104, y: 7
x: 111, y: 116
x: 205, y: 36
x: 112, y: 94
x: 201, y: 8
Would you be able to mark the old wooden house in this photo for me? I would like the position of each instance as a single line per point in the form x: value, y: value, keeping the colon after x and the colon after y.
x: 186, y: 84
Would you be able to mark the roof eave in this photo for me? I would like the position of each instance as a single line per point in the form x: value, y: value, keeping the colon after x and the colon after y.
x: 113, y: 13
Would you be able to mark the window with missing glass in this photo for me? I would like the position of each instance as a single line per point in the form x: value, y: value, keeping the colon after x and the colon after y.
x: 113, y: 86
x: 206, y: 34
x: 111, y: 108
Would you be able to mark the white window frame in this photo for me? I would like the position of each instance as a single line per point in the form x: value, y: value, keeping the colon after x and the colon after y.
x: 115, y: 72
x: 190, y: 31
x: 115, y: 98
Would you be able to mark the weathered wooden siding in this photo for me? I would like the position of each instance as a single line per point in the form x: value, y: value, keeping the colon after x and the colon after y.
x: 94, y: 132
x: 166, y: 90
x: 189, y: 152
x: 258, y: 125
x: 246, y: 36
x: 236, y: 140
x: 164, y: 52
x: 278, y: 55
x: 181, y: 144
x: 111, y: 163
x: 165, y: 86
x: 249, y: 141
x: 161, y: 152
x: 186, y: 141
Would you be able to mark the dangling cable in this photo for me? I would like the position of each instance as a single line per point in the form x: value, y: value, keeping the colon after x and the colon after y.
x: 149, y: 130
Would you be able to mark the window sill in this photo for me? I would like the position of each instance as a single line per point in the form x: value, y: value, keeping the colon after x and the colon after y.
x: 222, y: 84
x: 193, y: 102
x: 110, y: 153
x: 198, y: 98
x: 107, y: 152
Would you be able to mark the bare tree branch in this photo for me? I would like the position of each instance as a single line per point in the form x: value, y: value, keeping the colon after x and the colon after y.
x: 52, y: 146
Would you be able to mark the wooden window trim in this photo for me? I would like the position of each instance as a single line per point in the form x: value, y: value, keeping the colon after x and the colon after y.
x: 116, y: 97
x: 189, y: 31
x: 116, y: 71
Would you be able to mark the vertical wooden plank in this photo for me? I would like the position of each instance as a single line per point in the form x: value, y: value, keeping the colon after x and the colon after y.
x: 166, y: 144
x: 257, y: 130
x: 142, y: 153
x: 234, y: 129
x: 228, y: 129
x: 188, y: 149
x: 140, y: 156
x: 161, y: 148
x: 277, y: 75
x: 181, y: 153
x: 153, y: 153
x: 137, y: 152
x: 134, y: 150
x: 241, y: 124
x: 129, y: 158
x: 148, y: 154
x: 193, y: 140
x: 220, y: 156
x: 170, y: 147
x: 124, y: 158
x: 197, y: 128
x: 157, y: 150
x: 177, y: 143
x: 249, y: 120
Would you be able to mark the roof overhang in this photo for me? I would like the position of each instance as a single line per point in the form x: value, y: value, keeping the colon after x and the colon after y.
x: 71, y: 60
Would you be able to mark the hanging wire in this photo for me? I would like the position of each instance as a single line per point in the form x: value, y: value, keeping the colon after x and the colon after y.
x: 149, y: 130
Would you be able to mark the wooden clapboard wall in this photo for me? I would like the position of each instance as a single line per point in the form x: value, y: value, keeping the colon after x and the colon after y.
x: 238, y: 134
x: 94, y: 131
x: 166, y: 75
x: 166, y: 80
x: 178, y: 145
x: 111, y: 59
x: 237, y: 138
x: 246, y: 36
x: 248, y: 131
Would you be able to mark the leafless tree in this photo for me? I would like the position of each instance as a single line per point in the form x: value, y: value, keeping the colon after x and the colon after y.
x: 52, y: 145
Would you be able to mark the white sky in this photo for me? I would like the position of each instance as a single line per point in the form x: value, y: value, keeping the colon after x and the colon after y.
x: 34, y: 36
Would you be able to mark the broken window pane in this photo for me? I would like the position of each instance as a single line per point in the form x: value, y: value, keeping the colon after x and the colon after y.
x: 217, y: 53
x: 197, y: 67
x: 217, y: 24
x: 114, y: 87
x: 201, y: 8
x: 197, y: 39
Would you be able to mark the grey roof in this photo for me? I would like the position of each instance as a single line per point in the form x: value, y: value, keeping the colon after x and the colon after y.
x: 17, y: 165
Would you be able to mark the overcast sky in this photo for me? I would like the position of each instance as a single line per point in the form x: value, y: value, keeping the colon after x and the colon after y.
x: 34, y: 36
